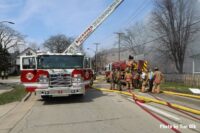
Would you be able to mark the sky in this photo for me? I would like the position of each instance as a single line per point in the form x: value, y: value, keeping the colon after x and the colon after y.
x: 40, y: 19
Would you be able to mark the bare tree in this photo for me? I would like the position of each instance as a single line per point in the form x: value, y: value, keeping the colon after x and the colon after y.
x: 9, y: 38
x: 173, y: 22
x: 57, y: 43
x: 134, y: 39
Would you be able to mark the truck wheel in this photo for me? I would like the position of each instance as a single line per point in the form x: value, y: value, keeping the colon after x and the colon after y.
x: 45, y: 97
x: 80, y: 95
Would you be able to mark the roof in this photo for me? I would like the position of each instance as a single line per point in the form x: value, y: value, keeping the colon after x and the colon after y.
x: 27, y: 49
x: 40, y: 54
x: 195, y: 56
x: 48, y: 53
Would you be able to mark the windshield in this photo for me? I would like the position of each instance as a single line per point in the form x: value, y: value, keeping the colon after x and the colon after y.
x: 60, y: 61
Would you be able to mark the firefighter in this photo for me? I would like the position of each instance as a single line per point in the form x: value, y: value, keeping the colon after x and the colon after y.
x: 133, y: 81
x: 128, y: 79
x: 114, y: 78
x: 111, y: 79
x: 118, y: 78
x: 135, y: 65
x: 122, y: 79
x: 158, y: 77
x: 150, y: 76
x: 144, y: 79
x: 130, y: 63
x: 136, y: 79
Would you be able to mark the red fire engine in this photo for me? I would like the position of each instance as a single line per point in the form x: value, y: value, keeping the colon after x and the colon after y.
x: 115, y: 65
x: 62, y: 74
x: 139, y: 65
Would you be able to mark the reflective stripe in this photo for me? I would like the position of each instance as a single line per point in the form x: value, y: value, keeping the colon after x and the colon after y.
x: 144, y: 68
x: 36, y: 85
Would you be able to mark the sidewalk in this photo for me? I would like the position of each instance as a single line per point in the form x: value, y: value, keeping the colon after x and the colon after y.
x: 4, y: 88
x: 11, y: 114
x: 10, y: 80
x: 5, y: 84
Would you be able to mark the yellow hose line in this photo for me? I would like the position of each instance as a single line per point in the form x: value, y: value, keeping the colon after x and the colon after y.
x: 98, y: 80
x: 181, y: 94
x: 100, y: 77
x: 147, y: 99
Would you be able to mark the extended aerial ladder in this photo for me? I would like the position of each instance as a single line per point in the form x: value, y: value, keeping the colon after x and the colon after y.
x: 73, y: 48
x: 62, y: 74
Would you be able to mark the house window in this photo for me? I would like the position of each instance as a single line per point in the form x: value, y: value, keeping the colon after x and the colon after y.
x: 28, y: 53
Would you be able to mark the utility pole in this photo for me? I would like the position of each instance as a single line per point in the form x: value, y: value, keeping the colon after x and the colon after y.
x: 119, y: 43
x: 96, y: 55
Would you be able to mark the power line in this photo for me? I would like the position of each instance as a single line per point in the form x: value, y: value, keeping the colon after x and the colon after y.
x: 136, y: 12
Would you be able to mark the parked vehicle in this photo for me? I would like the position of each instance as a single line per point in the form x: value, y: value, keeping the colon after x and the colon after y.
x: 62, y: 74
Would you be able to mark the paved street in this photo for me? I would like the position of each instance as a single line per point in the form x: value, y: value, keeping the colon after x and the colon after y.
x: 96, y: 112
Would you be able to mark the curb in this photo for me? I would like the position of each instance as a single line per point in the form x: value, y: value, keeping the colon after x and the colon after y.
x: 26, y: 97
x: 146, y: 99
x: 181, y: 94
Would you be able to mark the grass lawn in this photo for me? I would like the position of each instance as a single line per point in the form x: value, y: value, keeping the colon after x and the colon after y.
x: 175, y: 87
x: 15, y: 94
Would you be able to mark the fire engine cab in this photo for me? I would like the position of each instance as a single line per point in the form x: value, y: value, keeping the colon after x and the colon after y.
x: 56, y: 74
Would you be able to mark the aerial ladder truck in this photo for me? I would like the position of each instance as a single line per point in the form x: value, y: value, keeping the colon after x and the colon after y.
x: 62, y: 74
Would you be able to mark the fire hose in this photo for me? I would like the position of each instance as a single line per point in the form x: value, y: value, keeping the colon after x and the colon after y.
x: 138, y: 102
x: 172, y: 107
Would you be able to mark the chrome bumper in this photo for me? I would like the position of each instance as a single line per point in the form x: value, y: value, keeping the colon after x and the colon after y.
x: 60, y: 91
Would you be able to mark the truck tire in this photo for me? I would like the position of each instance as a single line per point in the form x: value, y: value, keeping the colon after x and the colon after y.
x: 45, y: 97
x: 81, y: 95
